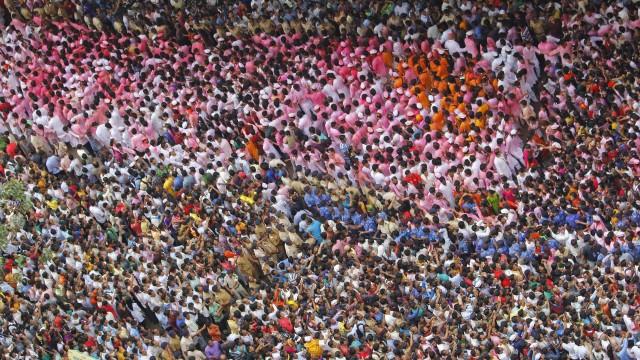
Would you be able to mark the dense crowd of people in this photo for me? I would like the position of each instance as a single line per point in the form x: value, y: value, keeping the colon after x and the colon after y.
x: 304, y: 180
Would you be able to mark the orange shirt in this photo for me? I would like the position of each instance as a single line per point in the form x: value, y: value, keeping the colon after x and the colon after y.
x: 433, y: 66
x: 424, y: 100
x: 465, y: 126
x: 482, y: 109
x: 411, y: 62
x: 400, y: 69
x: 423, y: 63
x: 443, y: 69
x: 426, y: 80
x: 479, y: 122
x: 387, y: 58
x: 437, y: 121
x: 252, y: 149
x: 494, y: 84
x: 452, y: 90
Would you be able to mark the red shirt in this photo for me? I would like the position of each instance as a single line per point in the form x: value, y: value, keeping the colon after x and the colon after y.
x: 549, y: 283
x: 58, y: 322
x: 178, y: 138
x: 189, y: 208
x: 90, y: 343
x: 286, y: 324
x: 5, y: 107
x: 413, y: 179
x: 497, y: 273
x: 8, y: 265
x: 136, y: 227
x: 109, y: 308
x: 121, y: 207
x: 365, y: 353
x: 12, y: 149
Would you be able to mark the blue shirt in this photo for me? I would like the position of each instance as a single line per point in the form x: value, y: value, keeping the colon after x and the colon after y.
x: 403, y: 234
x: 188, y: 182
x: 418, y: 233
x: 429, y: 294
x: 503, y: 250
x: 324, y: 199
x: 336, y: 213
x: 635, y: 217
x: 378, y: 316
x: 433, y: 236
x: 463, y: 246
x: 526, y: 254
x: 370, y: 224
x: 624, y: 354
x: 270, y: 176
x: 356, y: 219
x: 572, y: 220
x: 559, y: 219
x: 343, y: 148
x: 325, y: 212
x: 134, y: 332
x: 311, y: 199
x: 488, y: 252
x: 169, y: 137
x: 347, y: 201
x: 315, y: 229
x: 177, y: 183
x: 346, y: 216
x: 53, y: 164
x: 622, y: 223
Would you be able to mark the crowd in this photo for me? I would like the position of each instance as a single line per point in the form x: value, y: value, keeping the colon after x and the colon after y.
x: 321, y: 180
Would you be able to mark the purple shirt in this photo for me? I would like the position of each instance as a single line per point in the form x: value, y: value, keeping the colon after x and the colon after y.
x: 213, y: 351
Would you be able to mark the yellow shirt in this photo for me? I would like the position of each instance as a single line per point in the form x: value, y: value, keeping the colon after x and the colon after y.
x: 168, y: 186
x: 314, y: 349
x: 248, y: 198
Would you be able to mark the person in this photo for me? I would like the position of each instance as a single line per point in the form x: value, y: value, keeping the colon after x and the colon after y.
x: 355, y: 180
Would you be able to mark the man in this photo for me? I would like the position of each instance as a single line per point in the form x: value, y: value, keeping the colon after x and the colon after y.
x: 53, y: 164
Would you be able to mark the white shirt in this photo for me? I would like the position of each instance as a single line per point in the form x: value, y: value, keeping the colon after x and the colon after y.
x: 103, y: 135
x: 576, y: 352
x: 98, y: 214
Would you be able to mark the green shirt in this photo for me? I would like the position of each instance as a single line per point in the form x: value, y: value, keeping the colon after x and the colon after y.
x: 213, y: 309
x: 3, y: 143
x: 494, y: 202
